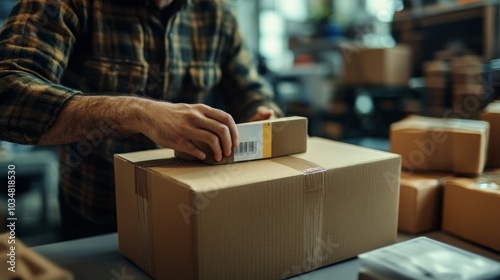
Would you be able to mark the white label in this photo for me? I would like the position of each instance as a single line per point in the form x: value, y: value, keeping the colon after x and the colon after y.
x: 251, y: 144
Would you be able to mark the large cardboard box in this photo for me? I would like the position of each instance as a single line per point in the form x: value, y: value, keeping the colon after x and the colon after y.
x: 420, y: 199
x: 377, y: 66
x: 261, y: 139
x: 433, y: 144
x: 471, y: 211
x: 265, y: 219
x: 492, y: 115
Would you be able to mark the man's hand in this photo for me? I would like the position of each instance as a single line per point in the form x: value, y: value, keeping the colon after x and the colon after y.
x: 262, y: 113
x: 175, y: 126
x: 170, y: 125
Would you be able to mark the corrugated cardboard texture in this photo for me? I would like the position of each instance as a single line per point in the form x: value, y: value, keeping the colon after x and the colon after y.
x: 289, y: 136
x: 29, y: 265
x: 472, y: 213
x: 492, y: 115
x: 420, y: 201
x: 266, y: 219
x: 377, y: 66
x: 433, y: 144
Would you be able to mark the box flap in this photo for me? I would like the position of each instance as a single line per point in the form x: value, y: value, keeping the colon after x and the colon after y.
x: 149, y: 155
x: 203, y: 178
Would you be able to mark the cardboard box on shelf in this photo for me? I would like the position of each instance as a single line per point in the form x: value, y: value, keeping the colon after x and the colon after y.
x: 420, y: 199
x: 439, y: 67
x: 476, y: 89
x: 470, y: 210
x: 492, y: 115
x: 433, y: 144
x: 262, y: 139
x: 436, y: 97
x: 377, y: 66
x: 266, y: 219
x: 469, y: 64
x: 466, y: 79
x: 435, y: 81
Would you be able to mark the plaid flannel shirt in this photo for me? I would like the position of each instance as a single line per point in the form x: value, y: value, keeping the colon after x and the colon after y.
x: 51, y: 50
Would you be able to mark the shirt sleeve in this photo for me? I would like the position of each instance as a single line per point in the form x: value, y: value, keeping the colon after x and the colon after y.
x: 243, y: 87
x: 35, y: 44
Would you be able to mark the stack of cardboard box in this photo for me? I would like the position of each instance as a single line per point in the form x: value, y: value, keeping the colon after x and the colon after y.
x: 466, y: 198
x: 468, y: 91
x: 436, y: 75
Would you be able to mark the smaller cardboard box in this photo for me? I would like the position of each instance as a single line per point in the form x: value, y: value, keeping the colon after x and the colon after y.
x: 492, y: 115
x: 262, y: 139
x: 433, y: 144
x: 377, y: 66
x: 420, y: 199
x: 471, y: 210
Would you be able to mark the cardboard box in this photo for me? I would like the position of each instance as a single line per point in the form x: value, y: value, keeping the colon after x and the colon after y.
x: 26, y: 263
x: 435, y: 81
x: 469, y: 64
x: 433, y: 144
x: 471, y: 89
x: 262, y: 139
x: 436, y: 97
x: 471, y: 212
x: 266, y: 219
x: 420, y: 199
x: 382, y: 66
x: 492, y: 115
x: 436, y: 67
x: 467, y: 79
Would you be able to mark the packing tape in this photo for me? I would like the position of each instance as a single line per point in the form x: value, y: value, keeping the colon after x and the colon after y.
x: 143, y: 196
x: 314, y: 200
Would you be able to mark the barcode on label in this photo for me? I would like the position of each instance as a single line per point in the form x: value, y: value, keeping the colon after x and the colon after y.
x: 246, y: 148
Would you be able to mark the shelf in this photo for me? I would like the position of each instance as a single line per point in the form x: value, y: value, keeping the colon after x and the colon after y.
x: 441, y: 10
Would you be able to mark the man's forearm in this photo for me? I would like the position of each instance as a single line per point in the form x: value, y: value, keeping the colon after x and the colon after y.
x: 85, y: 113
x: 173, y: 126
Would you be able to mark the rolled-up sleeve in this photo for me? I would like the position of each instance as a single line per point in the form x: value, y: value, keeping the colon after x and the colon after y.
x: 35, y: 44
x: 243, y: 87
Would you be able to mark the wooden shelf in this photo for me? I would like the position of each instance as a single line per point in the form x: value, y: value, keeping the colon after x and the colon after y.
x: 441, y: 10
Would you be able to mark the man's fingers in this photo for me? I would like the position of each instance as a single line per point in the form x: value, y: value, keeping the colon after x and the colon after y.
x: 213, y: 133
x: 189, y: 148
x: 261, y: 114
x: 223, y: 118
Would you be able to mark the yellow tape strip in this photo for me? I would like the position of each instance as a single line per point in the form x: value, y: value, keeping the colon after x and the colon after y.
x: 267, y: 140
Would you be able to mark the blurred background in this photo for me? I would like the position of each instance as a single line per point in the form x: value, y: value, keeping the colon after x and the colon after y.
x: 352, y: 67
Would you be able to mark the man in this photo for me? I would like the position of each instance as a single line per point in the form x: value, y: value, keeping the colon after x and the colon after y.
x: 91, y: 74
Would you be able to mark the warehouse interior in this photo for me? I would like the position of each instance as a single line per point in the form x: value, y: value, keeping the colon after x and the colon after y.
x: 371, y: 73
